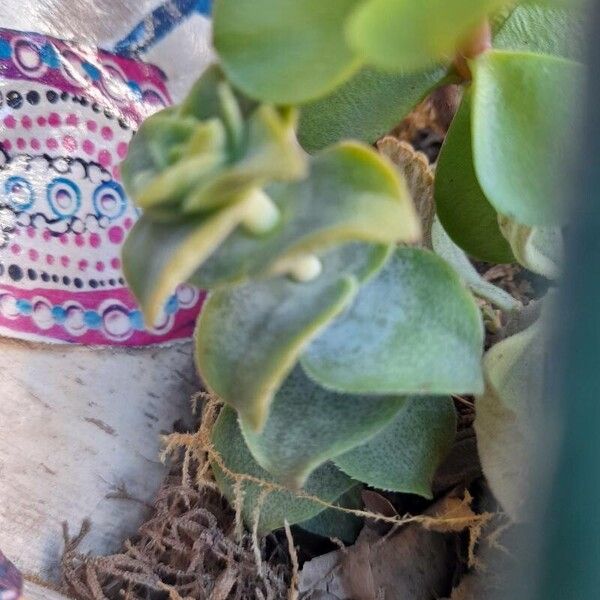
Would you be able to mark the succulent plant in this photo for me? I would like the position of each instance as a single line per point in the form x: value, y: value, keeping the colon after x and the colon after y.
x: 334, y: 338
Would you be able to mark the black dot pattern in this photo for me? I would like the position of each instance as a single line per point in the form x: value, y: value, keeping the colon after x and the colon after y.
x: 15, y: 272
x: 15, y: 100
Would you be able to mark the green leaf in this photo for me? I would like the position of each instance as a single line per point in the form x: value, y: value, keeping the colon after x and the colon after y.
x: 405, y: 455
x: 507, y: 413
x: 414, y: 35
x: 309, y: 425
x: 413, y: 329
x: 284, y: 51
x: 249, y: 337
x: 332, y: 523
x: 521, y: 129
x: 539, y: 249
x: 365, y: 107
x: 351, y: 194
x: 443, y: 246
x: 270, y: 153
x: 464, y: 211
x: 544, y: 30
x: 327, y: 483
x: 151, y: 150
x: 158, y: 256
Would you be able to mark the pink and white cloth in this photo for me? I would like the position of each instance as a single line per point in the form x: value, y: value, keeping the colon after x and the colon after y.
x: 67, y: 113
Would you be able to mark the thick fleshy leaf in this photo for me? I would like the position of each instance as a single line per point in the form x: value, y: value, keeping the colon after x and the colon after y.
x: 158, y: 256
x: 413, y: 329
x: 207, y: 100
x: 464, y: 211
x: 327, y: 483
x: 309, y: 425
x: 365, y: 107
x: 414, y: 35
x: 404, y: 456
x: 351, y: 194
x: 284, y: 51
x: 249, y: 337
x: 443, y: 246
x: 540, y: 249
x: 543, y: 29
x: 332, y: 523
x: 210, y: 151
x: 521, y: 131
x: 270, y: 153
x: 150, y: 152
x: 507, y: 413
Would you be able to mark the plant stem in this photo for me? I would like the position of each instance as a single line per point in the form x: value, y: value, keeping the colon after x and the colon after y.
x: 478, y: 42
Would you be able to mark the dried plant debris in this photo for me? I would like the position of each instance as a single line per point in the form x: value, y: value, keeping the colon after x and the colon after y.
x: 194, y: 547
x: 426, y: 126
x: 188, y: 550
x: 410, y: 562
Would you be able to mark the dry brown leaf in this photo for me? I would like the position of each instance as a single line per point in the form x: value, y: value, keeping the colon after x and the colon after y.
x: 454, y: 514
x: 379, y: 505
x: 461, y: 466
x: 411, y: 563
x: 418, y: 174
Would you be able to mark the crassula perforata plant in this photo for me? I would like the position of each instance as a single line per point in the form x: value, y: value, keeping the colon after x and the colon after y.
x: 333, y: 335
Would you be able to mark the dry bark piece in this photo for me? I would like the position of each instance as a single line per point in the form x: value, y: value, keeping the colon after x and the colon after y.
x: 418, y: 174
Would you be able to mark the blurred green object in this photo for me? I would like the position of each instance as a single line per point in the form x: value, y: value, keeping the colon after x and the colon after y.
x: 569, y: 558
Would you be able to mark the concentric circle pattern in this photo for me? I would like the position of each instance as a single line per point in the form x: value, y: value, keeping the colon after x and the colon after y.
x: 67, y: 114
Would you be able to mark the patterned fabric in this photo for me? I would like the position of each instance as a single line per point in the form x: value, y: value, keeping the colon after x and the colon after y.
x: 160, y: 23
x: 67, y: 113
x: 11, y: 582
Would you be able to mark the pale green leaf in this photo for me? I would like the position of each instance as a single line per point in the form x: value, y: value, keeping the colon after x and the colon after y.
x: 443, y: 246
x: 409, y: 35
x: 351, y: 194
x: 365, y: 107
x: 158, y: 256
x: 151, y: 149
x: 540, y: 249
x: 507, y: 413
x: 544, y: 29
x: 270, y: 152
x: 249, y: 337
x: 522, y: 131
x: 284, y: 51
x: 327, y: 483
x: 404, y: 456
x: 413, y: 329
x: 309, y: 425
x: 464, y: 211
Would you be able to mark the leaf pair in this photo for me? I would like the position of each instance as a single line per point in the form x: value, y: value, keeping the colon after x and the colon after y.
x: 229, y: 195
x: 350, y: 194
x: 505, y: 148
x: 411, y: 329
x: 403, y: 442
x: 297, y: 51
x: 292, y: 51
x: 272, y: 506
